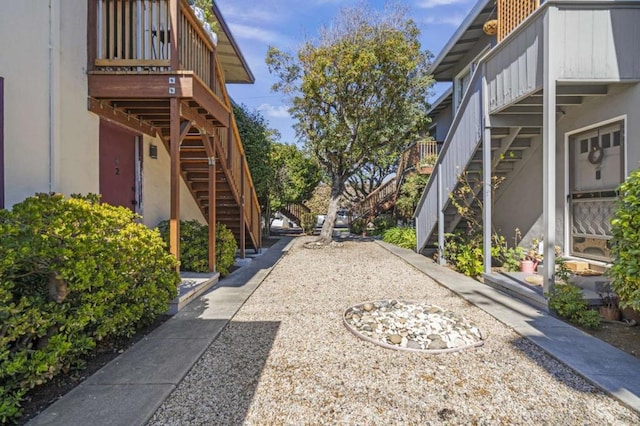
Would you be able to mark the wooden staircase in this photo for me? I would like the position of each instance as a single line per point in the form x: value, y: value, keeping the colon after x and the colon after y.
x: 294, y: 212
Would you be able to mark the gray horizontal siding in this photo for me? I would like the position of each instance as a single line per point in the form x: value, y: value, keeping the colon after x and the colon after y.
x: 514, y: 68
x: 598, y: 44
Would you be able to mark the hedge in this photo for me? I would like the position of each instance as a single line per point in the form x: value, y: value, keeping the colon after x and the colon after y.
x: 72, y: 272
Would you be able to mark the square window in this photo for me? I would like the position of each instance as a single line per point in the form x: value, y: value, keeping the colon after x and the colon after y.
x: 594, y: 142
x: 616, y: 138
x: 584, y: 146
x: 606, y: 140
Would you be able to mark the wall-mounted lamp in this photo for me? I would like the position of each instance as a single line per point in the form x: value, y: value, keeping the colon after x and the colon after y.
x: 153, y: 151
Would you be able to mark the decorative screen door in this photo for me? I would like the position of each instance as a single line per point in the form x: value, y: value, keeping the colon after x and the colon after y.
x: 596, y: 168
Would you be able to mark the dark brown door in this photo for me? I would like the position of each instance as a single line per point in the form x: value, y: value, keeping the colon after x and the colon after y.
x: 117, y: 165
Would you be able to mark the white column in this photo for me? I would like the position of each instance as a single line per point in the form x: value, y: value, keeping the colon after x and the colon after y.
x: 441, y: 259
x: 486, y: 175
x: 549, y: 151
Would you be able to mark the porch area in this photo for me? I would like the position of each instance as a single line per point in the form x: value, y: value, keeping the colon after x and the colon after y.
x: 511, y: 122
x: 157, y: 68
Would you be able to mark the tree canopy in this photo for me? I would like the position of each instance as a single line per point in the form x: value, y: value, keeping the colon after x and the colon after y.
x: 358, y: 92
x: 296, y: 175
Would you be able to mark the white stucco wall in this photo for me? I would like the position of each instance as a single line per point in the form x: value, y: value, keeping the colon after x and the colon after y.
x: 156, y: 184
x: 24, y: 63
x: 51, y: 140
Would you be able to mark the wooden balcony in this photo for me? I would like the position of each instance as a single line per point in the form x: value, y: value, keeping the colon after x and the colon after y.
x: 153, y: 67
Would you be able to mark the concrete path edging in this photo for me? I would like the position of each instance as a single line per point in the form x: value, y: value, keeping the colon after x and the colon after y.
x: 613, y: 371
x: 130, y: 389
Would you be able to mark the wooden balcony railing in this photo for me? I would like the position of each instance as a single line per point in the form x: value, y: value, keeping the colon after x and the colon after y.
x: 136, y: 35
x: 512, y: 12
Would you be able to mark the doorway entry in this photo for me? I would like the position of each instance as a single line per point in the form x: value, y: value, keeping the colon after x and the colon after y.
x: 119, y: 166
x: 596, y: 168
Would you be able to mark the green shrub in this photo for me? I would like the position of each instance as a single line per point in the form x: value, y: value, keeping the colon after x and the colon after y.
x: 357, y: 226
x: 464, y: 254
x: 567, y: 301
x: 308, y: 222
x: 72, y: 272
x: 194, y: 246
x: 625, y: 248
x: 401, y: 237
x: 382, y: 223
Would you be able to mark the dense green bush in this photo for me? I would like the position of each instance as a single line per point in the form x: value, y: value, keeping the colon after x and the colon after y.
x: 308, y: 222
x: 625, y: 248
x: 194, y: 246
x: 357, y: 226
x: 568, y: 302
x: 72, y: 272
x: 401, y: 237
x: 383, y: 222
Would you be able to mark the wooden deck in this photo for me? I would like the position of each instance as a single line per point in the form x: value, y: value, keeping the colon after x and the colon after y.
x: 170, y: 84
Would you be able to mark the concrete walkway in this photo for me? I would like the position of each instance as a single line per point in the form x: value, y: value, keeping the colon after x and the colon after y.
x: 129, y: 390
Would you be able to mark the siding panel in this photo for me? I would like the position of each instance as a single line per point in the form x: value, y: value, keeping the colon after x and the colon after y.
x: 599, y: 43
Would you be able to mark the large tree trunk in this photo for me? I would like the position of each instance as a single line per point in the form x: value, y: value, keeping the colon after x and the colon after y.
x: 326, y: 235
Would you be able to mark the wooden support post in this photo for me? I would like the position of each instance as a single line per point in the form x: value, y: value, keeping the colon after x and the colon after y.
x: 242, y: 221
x: 174, y: 219
x: 174, y: 9
x: 92, y: 34
x: 212, y: 211
x: 229, y: 142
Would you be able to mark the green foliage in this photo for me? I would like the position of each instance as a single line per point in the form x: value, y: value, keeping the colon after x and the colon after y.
x: 567, y: 301
x: 296, y: 175
x: 464, y: 254
x: 358, y: 92
x: 410, y: 193
x: 308, y: 222
x: 319, y: 201
x: 72, y: 272
x: 208, y: 13
x: 357, y: 226
x: 383, y: 222
x: 194, y: 246
x: 401, y: 237
x: 625, y: 248
x: 257, y: 141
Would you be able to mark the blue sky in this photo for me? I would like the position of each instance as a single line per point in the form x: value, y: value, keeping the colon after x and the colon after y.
x: 286, y: 23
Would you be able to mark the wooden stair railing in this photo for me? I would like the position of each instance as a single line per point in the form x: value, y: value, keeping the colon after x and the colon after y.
x: 294, y: 212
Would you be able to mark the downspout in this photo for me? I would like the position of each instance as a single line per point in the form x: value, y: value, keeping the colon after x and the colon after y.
x: 51, y: 103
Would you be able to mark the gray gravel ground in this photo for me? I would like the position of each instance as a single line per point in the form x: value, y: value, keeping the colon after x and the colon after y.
x: 286, y: 358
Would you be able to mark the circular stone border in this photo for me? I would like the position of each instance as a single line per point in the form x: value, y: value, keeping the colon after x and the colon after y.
x: 377, y: 304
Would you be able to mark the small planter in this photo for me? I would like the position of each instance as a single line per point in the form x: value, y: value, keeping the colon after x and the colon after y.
x: 528, y: 266
x: 610, y: 313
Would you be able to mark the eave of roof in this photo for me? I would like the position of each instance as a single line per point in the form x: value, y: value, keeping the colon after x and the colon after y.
x: 234, y: 65
x: 444, y: 101
x: 467, y: 34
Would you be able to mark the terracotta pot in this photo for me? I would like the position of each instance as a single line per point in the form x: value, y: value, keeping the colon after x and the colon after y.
x: 610, y: 313
x: 528, y: 266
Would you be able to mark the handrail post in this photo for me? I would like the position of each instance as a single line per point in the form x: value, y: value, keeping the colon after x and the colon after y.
x: 174, y: 8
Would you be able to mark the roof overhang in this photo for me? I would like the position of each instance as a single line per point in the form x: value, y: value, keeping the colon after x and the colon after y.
x: 443, y: 102
x: 462, y: 41
x: 234, y: 66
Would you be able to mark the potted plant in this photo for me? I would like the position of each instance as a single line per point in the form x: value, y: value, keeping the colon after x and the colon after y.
x: 531, y: 258
x: 609, y: 310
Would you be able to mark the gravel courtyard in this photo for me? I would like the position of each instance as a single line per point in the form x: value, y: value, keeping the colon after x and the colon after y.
x: 287, y: 358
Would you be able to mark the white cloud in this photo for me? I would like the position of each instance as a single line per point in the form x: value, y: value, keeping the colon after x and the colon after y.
x: 256, y: 33
x: 453, y: 20
x: 274, y: 111
x: 428, y: 4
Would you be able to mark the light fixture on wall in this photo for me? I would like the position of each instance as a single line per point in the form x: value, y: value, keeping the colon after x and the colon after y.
x: 153, y: 151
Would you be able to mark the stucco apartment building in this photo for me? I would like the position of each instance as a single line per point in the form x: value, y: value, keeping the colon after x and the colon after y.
x: 125, y: 98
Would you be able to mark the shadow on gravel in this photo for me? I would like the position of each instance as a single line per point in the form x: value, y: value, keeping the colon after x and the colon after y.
x: 220, y: 388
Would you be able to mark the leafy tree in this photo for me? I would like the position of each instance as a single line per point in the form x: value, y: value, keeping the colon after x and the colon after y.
x: 296, y: 175
x: 257, y: 140
x: 366, y: 180
x: 410, y: 193
x: 319, y: 201
x: 358, y: 93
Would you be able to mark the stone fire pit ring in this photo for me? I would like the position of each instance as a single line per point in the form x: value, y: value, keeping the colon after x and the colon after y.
x: 411, y: 326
